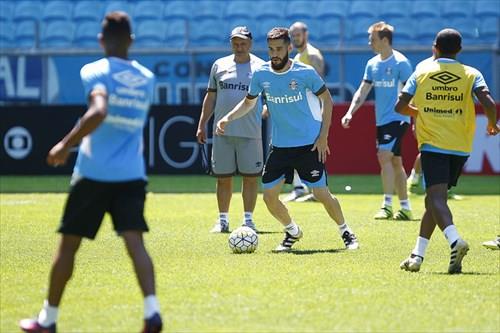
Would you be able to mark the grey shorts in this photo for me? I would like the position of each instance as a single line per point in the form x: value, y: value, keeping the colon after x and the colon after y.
x: 231, y: 155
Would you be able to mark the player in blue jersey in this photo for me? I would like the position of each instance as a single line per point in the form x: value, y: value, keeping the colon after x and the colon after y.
x: 301, y: 111
x: 387, y: 71
x: 109, y: 175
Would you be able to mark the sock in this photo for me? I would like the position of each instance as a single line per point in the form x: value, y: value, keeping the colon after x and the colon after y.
x: 414, y: 177
x: 451, y: 234
x: 151, y: 306
x: 247, y: 216
x: 343, y: 228
x: 405, y: 204
x: 224, y: 218
x: 292, y: 229
x: 48, y: 314
x: 297, y: 183
x: 387, y: 200
x: 420, y: 246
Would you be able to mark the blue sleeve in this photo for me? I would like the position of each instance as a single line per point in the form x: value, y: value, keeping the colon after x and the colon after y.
x: 152, y: 85
x: 368, y: 73
x: 315, y: 82
x: 411, y: 85
x: 405, y: 70
x: 255, y: 86
x: 92, y: 78
x: 479, y: 81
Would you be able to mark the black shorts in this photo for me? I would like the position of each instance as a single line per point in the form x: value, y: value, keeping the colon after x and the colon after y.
x: 89, y: 200
x: 441, y: 168
x: 390, y: 136
x: 281, y: 162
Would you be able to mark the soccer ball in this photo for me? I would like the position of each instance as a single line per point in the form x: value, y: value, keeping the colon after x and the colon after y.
x: 243, y: 240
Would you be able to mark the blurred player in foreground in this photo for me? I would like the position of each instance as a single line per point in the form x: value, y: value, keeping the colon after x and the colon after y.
x: 301, y: 112
x: 109, y: 174
x: 442, y: 92
x: 493, y: 244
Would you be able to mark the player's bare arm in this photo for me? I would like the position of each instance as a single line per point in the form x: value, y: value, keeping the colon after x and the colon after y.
x: 238, y: 111
x: 404, y: 107
x: 318, y: 63
x: 357, y: 100
x: 207, y: 111
x: 484, y: 97
x: 321, y: 144
x: 94, y: 116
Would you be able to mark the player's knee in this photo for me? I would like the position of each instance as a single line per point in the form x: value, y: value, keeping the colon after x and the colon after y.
x: 322, y: 194
x: 384, y: 157
x: 270, y: 198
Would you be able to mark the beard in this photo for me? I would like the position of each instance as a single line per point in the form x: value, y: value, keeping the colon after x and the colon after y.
x: 280, y: 65
x: 299, y: 46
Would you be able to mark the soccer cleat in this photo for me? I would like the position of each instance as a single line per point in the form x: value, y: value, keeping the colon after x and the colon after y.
x: 32, y: 326
x: 454, y: 196
x: 385, y: 213
x: 412, y: 263
x: 350, y: 240
x: 153, y: 325
x: 493, y: 244
x: 308, y: 197
x: 458, y: 252
x: 220, y: 227
x: 403, y: 215
x: 286, y: 244
x: 249, y: 223
x: 296, y: 193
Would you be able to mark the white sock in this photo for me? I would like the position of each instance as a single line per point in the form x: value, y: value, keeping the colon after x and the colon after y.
x: 414, y: 177
x: 292, y: 229
x: 224, y: 218
x: 420, y: 246
x: 405, y: 204
x: 387, y: 200
x: 48, y: 314
x: 451, y: 234
x: 343, y: 228
x: 296, y: 180
x: 247, y: 216
x: 151, y: 306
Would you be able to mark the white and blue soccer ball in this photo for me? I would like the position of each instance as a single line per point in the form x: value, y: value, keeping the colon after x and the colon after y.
x: 243, y: 240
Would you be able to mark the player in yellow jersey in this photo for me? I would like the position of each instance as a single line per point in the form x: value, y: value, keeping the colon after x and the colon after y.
x: 442, y: 92
x: 309, y: 55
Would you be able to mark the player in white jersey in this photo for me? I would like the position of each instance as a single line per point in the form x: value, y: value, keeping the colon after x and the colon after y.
x: 240, y: 149
x: 387, y: 71
x: 109, y: 175
x: 301, y: 109
x: 309, y: 55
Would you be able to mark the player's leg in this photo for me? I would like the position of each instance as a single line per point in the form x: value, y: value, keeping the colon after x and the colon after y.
x: 415, y: 174
x: 249, y: 190
x: 384, y: 158
x: 493, y: 244
x: 405, y: 212
x: 224, y: 193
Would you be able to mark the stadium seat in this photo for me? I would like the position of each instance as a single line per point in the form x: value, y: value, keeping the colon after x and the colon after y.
x: 26, y: 34
x: 489, y: 30
x: 394, y: 9
x: 57, y: 34
x: 468, y: 28
x: 114, y: 6
x: 457, y: 9
x: 178, y: 10
x: 6, y: 35
x: 330, y: 32
x: 6, y: 11
x: 357, y: 31
x: 404, y: 31
x: 363, y: 9
x: 148, y: 10
x: 426, y: 30
x: 57, y: 11
x: 207, y: 10
x: 300, y: 10
x: 176, y: 34
x: 486, y: 8
x: 150, y: 34
x: 425, y: 9
x: 263, y: 27
x: 269, y: 10
x: 332, y: 9
x: 208, y: 32
x: 86, y: 35
x: 239, y: 10
x: 27, y: 11
x: 231, y: 23
x: 88, y: 11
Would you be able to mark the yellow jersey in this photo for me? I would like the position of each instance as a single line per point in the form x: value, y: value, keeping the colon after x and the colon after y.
x: 303, y: 56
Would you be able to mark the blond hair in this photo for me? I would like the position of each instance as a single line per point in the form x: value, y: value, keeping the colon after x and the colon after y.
x: 383, y: 30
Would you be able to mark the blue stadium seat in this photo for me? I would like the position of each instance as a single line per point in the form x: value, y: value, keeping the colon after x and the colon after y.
x: 148, y: 10
x: 239, y: 10
x: 57, y: 34
x: 269, y: 10
x: 300, y: 10
x: 88, y: 11
x: 468, y: 28
x: 231, y: 23
x: 6, y: 11
x: 263, y: 27
x: 404, y: 31
x: 26, y: 34
x: 6, y: 35
x: 207, y: 10
x: 486, y: 8
x: 489, y: 30
x: 357, y: 31
x: 114, y: 6
x: 27, y: 11
x: 330, y: 32
x: 208, y: 32
x: 427, y: 28
x: 456, y: 9
x: 57, y: 11
x: 150, y: 33
x: 86, y: 35
x: 394, y: 9
x: 425, y: 9
x: 332, y: 9
x: 176, y: 35
x: 363, y: 9
x: 178, y: 10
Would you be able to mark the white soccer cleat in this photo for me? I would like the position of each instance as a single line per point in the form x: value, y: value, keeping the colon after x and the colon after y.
x: 350, y: 240
x: 220, y: 228
x: 250, y: 224
x: 493, y: 244
x: 296, y: 193
x: 288, y: 241
x: 457, y: 254
x: 412, y: 263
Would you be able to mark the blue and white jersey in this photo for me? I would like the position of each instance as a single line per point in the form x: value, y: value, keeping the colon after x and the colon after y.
x: 387, y: 77
x: 114, y: 151
x: 292, y: 101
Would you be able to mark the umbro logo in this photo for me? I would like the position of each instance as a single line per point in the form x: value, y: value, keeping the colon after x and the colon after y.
x: 266, y: 84
x: 315, y: 173
x: 130, y: 79
x: 387, y: 136
x: 445, y: 77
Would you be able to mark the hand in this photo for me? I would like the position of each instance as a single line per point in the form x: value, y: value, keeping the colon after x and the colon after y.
x: 58, y: 154
x: 321, y: 145
x: 346, y: 120
x: 493, y: 129
x: 201, y: 135
x: 221, y: 124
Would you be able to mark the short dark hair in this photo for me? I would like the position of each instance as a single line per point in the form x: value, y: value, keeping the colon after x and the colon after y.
x: 383, y: 30
x: 116, y: 25
x: 448, y: 41
x: 279, y: 33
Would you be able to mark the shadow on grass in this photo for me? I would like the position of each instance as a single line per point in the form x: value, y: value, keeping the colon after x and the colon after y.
x: 459, y: 274
x: 308, y: 252
x: 268, y: 232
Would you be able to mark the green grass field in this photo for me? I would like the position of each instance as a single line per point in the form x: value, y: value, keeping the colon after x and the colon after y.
x: 202, y: 287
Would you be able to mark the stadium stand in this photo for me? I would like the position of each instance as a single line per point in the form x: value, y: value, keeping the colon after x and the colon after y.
x: 332, y: 9
x: 148, y: 10
x: 357, y: 31
x: 403, y: 31
x: 150, y: 33
x: 207, y: 32
x: 6, y: 35
x: 300, y: 10
x: 330, y: 32
x: 392, y: 9
x: 86, y: 35
x: 118, y: 5
x: 88, y: 11
x: 57, y: 34
x: 26, y: 34
x: 27, y: 11
x: 57, y: 11
x: 457, y: 9
x: 269, y: 10
x: 207, y: 10
x: 425, y: 9
x: 178, y: 10
x: 176, y: 34
x: 486, y: 9
x: 6, y: 11
x: 363, y: 9
x: 240, y: 10
x: 489, y: 30
x: 426, y: 30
